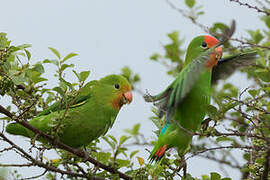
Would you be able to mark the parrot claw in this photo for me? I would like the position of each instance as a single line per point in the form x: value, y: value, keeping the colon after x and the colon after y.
x: 83, y: 153
x: 183, y: 165
x: 148, y: 98
x: 205, y: 124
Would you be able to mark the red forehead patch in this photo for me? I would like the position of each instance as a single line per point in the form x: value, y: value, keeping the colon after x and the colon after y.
x: 210, y: 41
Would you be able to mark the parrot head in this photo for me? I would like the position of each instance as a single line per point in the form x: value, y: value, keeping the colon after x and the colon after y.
x: 199, y: 45
x: 118, y: 90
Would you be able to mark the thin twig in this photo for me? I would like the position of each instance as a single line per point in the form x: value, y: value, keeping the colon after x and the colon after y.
x: 222, y: 161
x: 39, y: 163
x: 34, y: 177
x: 251, y: 7
x: 218, y: 148
x: 51, y: 139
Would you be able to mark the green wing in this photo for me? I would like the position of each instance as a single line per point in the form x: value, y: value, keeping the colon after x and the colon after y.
x: 168, y: 100
x: 81, y: 99
x: 228, y: 65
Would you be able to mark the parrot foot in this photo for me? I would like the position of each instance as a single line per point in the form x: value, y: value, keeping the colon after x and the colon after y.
x: 185, y: 169
x: 183, y: 165
x: 147, y: 97
x: 83, y: 153
x: 205, y: 124
x: 55, y: 142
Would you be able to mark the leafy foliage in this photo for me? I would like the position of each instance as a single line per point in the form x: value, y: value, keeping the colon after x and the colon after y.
x: 236, y: 119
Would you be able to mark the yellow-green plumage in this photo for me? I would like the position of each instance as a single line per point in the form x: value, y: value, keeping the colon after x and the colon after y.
x: 90, y: 116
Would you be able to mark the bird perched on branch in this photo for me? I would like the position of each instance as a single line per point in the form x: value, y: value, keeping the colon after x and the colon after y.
x: 85, y: 117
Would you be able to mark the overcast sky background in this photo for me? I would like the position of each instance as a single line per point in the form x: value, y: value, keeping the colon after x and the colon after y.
x: 110, y: 34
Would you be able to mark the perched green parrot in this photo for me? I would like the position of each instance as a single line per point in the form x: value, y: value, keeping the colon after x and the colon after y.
x: 185, y: 100
x: 89, y: 116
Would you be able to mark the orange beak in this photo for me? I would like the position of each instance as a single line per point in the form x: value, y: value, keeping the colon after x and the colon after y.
x: 218, y: 52
x: 128, y: 97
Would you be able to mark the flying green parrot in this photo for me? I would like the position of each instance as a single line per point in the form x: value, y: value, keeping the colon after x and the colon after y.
x: 89, y: 116
x: 185, y: 100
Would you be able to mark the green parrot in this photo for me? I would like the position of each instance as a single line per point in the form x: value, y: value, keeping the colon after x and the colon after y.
x: 89, y: 116
x: 185, y: 100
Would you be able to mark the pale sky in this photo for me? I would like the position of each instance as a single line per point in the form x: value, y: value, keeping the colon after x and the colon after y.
x: 110, y: 34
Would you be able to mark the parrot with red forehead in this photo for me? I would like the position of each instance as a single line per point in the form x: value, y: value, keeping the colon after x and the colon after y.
x: 89, y: 115
x: 185, y: 100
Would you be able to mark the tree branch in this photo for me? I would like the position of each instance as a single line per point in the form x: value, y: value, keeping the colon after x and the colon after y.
x: 39, y: 163
x: 77, y: 152
x: 251, y: 7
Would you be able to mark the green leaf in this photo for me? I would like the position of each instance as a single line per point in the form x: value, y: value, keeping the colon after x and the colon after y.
x: 123, y: 139
x: 28, y: 54
x: 39, y: 68
x: 112, y: 138
x: 65, y: 66
x: 123, y: 163
x: 133, y: 153
x: 60, y: 91
x: 219, y: 139
x: 136, y: 78
x: 35, y: 77
x: 102, y: 156
x: 253, y: 92
x: 263, y: 74
x: 24, y: 46
x: 66, y: 83
x: 190, y: 3
x: 174, y: 36
x: 126, y: 71
x: 56, y: 52
x: 51, y: 62
x: 267, y: 89
x: 112, y: 144
x: 4, y: 43
x: 155, y: 57
x: 70, y: 55
x: 134, y: 131
x: 78, y: 76
x: 218, y: 27
x: 256, y: 35
x: 84, y: 75
x: 20, y: 79
x: 200, y: 13
x: 215, y: 176
x: 266, y: 20
x: 212, y: 111
x: 227, y: 106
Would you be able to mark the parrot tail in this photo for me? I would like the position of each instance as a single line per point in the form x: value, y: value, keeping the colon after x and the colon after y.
x: 16, y: 129
x: 157, y: 153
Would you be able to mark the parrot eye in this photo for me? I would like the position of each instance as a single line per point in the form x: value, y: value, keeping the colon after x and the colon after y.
x: 204, y: 45
x: 116, y: 86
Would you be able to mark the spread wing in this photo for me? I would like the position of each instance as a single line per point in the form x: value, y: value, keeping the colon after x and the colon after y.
x: 168, y: 100
x: 228, y: 65
x: 82, y: 98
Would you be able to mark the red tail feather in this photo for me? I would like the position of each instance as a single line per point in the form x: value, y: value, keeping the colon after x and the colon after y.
x: 162, y: 150
x: 159, y: 153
